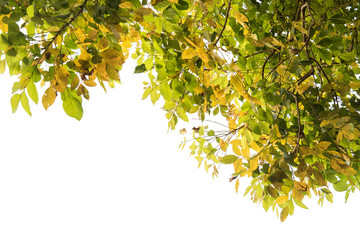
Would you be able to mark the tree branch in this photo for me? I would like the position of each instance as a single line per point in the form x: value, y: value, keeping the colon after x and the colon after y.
x: 266, y: 60
x: 226, y: 19
x: 62, y: 29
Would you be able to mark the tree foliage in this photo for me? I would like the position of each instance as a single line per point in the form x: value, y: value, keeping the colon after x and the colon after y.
x: 283, y: 75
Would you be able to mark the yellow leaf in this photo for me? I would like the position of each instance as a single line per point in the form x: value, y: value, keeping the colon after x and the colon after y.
x: 232, y: 124
x: 223, y: 145
x: 319, y: 178
x: 237, y: 185
x: 254, y: 163
x: 48, y: 98
x: 188, y: 53
x: 254, y: 146
x: 324, y: 145
x: 191, y: 42
x: 237, y: 83
x: 126, y: 4
x: 298, y: 195
x: 339, y: 136
x: 282, y: 199
x: 299, y: 27
x: 113, y: 57
x: 237, y: 165
x: 203, y: 55
x: 236, y: 149
x: 241, y: 18
x: 60, y: 80
x: 198, y: 90
x: 284, y: 213
x: 89, y: 83
x: 246, y: 153
x: 348, y: 135
x: 300, y: 186
x: 101, y: 71
x: 103, y: 43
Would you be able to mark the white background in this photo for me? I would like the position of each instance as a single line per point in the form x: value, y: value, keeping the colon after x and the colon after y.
x: 118, y: 174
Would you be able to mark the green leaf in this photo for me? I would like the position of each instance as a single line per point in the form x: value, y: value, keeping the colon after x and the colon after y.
x: 228, y: 159
x: 32, y: 91
x: 181, y: 114
x: 341, y: 186
x: 72, y: 104
x: 146, y: 93
x: 165, y: 91
x: 140, y: 68
x: 25, y: 103
x: 300, y: 204
x: 15, y: 99
x: 30, y: 11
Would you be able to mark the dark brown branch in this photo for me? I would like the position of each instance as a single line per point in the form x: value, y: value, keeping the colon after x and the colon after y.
x: 312, y: 107
x: 226, y: 19
x: 266, y: 60
x: 62, y: 29
x: 327, y: 79
x: 306, y: 75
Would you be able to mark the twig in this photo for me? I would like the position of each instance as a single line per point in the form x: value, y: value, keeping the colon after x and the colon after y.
x: 62, y: 29
x: 226, y: 19
x: 312, y: 107
x: 266, y: 60
x: 306, y: 75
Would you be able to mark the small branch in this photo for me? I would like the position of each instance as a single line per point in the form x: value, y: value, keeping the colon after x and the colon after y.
x: 62, y: 29
x: 312, y: 107
x: 285, y: 59
x: 327, y: 79
x: 266, y: 60
x: 306, y: 75
x: 226, y: 19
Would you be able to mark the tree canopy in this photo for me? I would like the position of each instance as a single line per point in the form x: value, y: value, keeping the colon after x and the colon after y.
x: 282, y: 74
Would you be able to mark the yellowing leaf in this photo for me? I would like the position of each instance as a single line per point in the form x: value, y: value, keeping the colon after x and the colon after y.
x: 237, y: 185
x: 324, y: 145
x: 223, y: 145
x: 232, y: 125
x: 297, y: 194
x: 203, y: 55
x: 60, y: 80
x: 319, y: 178
x: 113, y: 57
x: 246, y: 152
x: 48, y: 98
x: 297, y: 26
x: 189, y: 53
x: 228, y: 159
x: 282, y: 199
x: 300, y: 186
x: 254, y: 163
x: 284, y: 213
x: 198, y: 90
x: 237, y: 83
x: 126, y: 4
x: 237, y: 165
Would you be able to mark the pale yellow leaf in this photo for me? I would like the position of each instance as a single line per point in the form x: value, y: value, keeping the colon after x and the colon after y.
x: 237, y: 185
